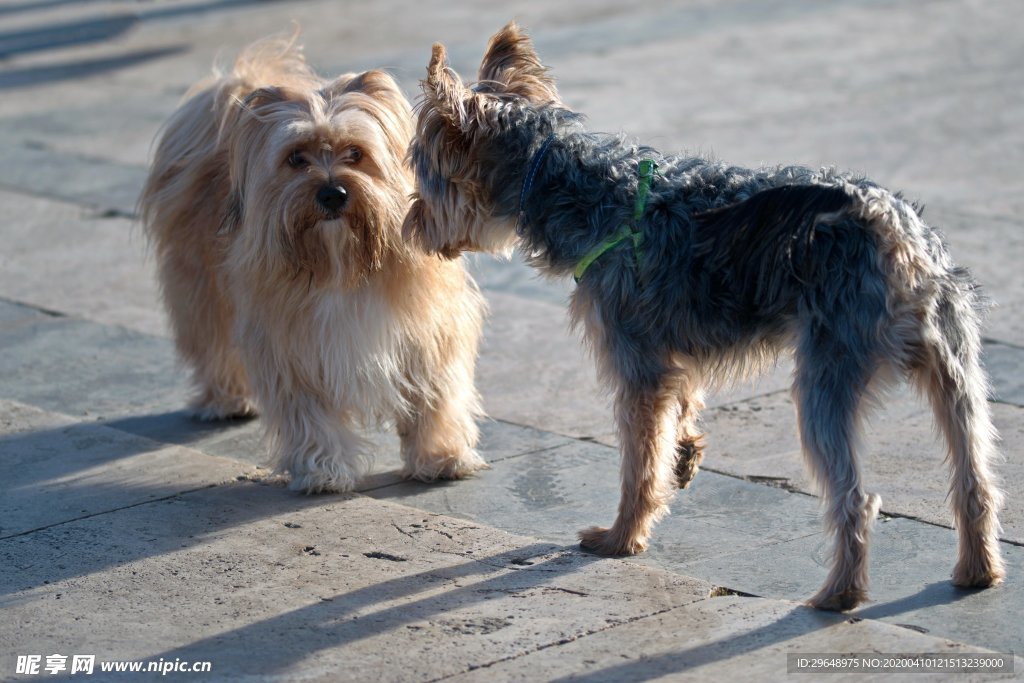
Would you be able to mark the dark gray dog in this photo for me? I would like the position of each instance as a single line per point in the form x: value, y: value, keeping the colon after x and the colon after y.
x: 691, y: 273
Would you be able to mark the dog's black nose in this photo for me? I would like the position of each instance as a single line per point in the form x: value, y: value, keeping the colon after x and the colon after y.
x: 332, y: 198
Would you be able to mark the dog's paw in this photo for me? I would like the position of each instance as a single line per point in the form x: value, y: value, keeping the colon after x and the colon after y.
x: 210, y: 410
x: 837, y: 602
x: 604, y: 541
x: 979, y: 574
x: 322, y: 482
x: 445, y: 467
x: 688, y: 458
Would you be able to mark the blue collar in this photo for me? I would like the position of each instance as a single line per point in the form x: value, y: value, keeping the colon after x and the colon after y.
x: 538, y: 158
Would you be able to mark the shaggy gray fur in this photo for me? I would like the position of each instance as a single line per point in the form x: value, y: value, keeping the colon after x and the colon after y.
x: 736, y: 266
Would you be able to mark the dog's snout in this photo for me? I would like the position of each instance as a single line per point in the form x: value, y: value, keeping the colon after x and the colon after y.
x: 332, y: 198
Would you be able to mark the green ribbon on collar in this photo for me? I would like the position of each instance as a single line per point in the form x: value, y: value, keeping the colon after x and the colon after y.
x: 628, y: 231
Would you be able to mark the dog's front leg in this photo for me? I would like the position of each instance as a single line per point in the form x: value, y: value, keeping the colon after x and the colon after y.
x: 439, y: 435
x: 647, y: 421
x: 315, y: 444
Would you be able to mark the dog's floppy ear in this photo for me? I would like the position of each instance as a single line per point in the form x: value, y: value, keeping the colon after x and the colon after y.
x: 381, y: 86
x: 444, y: 89
x: 263, y: 96
x: 418, y: 226
x: 232, y: 214
x: 421, y: 229
x: 374, y: 82
x: 377, y: 94
x: 511, y: 65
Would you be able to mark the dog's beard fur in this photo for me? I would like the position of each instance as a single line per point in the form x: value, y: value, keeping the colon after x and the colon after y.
x: 311, y: 303
x: 739, y: 265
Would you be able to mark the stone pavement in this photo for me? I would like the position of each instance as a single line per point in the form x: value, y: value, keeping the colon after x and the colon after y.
x: 131, y: 532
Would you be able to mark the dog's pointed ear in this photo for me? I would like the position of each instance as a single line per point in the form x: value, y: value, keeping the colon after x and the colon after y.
x: 444, y: 89
x: 511, y: 65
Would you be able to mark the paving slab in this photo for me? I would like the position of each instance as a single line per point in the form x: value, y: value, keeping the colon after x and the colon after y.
x: 55, y: 469
x: 748, y: 537
x: 983, y: 237
x: 67, y: 258
x: 97, y: 183
x: 72, y: 126
x: 1005, y: 366
x: 267, y: 585
x: 554, y: 493
x: 902, y: 459
x: 512, y: 276
x: 14, y: 314
x: 82, y: 368
x: 726, y: 638
x: 910, y: 564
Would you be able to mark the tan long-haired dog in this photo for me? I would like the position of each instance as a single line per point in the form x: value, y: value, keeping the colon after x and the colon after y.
x: 275, y: 204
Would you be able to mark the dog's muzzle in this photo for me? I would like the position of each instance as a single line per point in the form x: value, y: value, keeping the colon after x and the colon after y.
x: 332, y: 199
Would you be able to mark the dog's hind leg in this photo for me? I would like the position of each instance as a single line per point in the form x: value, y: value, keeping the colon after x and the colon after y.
x: 202, y: 318
x: 689, y: 440
x: 831, y: 377
x: 647, y: 421
x: 952, y: 377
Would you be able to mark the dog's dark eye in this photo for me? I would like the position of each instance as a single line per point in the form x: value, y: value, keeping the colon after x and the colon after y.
x: 297, y: 160
x: 354, y: 155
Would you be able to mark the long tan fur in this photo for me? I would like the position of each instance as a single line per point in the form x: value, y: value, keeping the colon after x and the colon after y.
x: 274, y: 205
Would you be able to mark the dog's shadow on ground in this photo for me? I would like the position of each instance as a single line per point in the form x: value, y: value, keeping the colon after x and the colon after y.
x: 47, y: 452
x: 932, y: 595
x: 237, y: 438
x: 800, y: 621
x: 411, y: 602
x: 59, y: 474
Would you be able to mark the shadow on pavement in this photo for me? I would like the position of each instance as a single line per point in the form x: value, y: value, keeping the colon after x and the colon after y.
x: 800, y: 621
x: 346, y: 618
x: 66, y: 34
x: 39, y: 5
x: 174, y: 522
x: 61, y: 451
x: 933, y: 594
x: 54, y: 73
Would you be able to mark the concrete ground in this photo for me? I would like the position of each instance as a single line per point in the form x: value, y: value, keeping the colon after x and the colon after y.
x: 130, y: 532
